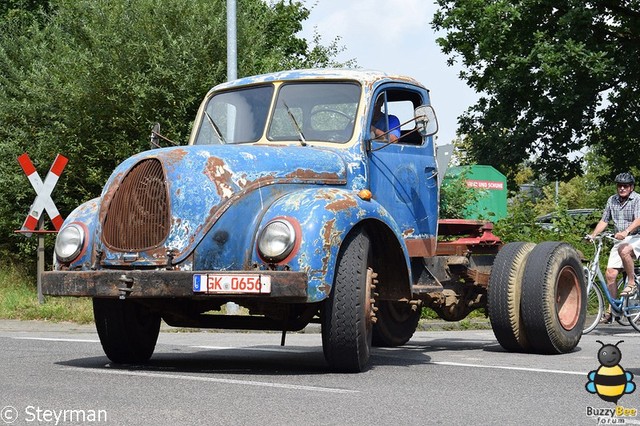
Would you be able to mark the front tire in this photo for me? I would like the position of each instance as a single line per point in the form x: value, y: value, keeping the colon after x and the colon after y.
x: 553, y: 298
x: 127, y: 329
x: 347, y: 313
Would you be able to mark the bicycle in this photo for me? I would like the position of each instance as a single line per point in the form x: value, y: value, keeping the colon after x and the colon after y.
x: 625, y: 309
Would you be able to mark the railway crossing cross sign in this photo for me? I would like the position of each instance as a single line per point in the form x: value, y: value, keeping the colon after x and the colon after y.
x: 43, y: 190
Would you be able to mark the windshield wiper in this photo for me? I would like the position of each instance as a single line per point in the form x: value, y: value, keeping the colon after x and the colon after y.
x: 303, y: 141
x: 215, y: 128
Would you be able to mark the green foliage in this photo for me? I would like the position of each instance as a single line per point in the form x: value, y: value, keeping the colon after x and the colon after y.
x: 456, y: 197
x: 19, y: 300
x: 575, y: 194
x: 556, y: 76
x: 11, y: 7
x: 588, y: 191
x: 521, y: 225
x: 88, y: 78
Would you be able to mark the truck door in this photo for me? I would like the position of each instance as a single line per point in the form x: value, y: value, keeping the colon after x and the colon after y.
x: 403, y: 172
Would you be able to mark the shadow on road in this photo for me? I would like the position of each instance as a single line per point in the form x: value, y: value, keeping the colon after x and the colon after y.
x: 309, y: 360
x: 288, y: 360
x: 253, y: 361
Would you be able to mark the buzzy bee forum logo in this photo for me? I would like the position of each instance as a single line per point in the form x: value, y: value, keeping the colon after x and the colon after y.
x: 610, y: 382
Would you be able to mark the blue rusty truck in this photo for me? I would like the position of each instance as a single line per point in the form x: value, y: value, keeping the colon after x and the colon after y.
x: 305, y: 196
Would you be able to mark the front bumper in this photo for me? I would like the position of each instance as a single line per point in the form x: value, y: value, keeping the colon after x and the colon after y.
x: 285, y: 285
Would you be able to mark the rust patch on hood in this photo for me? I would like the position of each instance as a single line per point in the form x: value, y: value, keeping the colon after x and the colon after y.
x: 218, y: 172
x: 308, y: 174
x: 174, y: 156
x: 344, y: 204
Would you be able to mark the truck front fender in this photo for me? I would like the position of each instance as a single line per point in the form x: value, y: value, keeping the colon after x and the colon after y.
x: 324, y: 217
x: 85, y: 215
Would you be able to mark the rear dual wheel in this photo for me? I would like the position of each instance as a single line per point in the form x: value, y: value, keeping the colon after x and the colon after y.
x: 553, y: 298
x: 503, y: 294
x: 537, y: 297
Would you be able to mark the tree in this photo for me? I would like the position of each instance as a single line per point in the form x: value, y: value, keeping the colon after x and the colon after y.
x: 23, y: 6
x: 555, y: 76
x: 88, y: 78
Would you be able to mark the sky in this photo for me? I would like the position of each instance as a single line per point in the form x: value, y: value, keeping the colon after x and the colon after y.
x: 395, y: 36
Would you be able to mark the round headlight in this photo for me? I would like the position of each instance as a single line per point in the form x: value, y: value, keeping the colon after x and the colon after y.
x: 69, y: 243
x: 276, y: 240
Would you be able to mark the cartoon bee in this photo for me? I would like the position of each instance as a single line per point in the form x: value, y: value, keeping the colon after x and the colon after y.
x: 610, y: 381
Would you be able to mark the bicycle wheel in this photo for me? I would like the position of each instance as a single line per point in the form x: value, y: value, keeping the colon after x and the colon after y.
x: 633, y: 314
x: 631, y: 309
x: 595, y: 308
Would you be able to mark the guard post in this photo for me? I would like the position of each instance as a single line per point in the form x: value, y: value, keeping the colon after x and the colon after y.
x: 34, y: 223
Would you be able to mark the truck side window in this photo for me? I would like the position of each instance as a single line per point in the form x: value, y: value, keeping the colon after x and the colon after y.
x: 401, y: 105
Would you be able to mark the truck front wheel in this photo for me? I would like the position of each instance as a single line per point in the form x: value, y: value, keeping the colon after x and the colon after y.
x: 128, y: 330
x: 347, y: 313
x: 554, y: 298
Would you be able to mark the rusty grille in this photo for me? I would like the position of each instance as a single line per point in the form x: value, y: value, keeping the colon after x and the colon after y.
x: 138, y: 215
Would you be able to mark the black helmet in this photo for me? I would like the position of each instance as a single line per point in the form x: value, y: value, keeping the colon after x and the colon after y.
x: 625, y: 177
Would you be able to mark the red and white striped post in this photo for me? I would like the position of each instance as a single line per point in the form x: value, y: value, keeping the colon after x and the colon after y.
x: 43, y: 190
x: 42, y: 202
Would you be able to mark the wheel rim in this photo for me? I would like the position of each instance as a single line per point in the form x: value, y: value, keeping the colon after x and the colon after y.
x: 568, y: 298
x: 370, y: 308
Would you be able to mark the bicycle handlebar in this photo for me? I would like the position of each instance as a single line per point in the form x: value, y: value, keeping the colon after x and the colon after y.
x: 599, y: 237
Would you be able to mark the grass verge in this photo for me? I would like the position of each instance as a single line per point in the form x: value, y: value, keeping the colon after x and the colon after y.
x: 19, y: 300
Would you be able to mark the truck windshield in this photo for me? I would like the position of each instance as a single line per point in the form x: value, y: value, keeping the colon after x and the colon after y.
x: 236, y: 116
x: 322, y: 112
x: 303, y: 112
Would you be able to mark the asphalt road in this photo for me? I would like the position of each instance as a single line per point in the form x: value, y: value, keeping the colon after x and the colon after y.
x: 56, y: 374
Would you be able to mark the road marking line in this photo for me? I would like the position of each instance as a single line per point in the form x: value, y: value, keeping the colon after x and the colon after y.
x: 500, y: 367
x: 51, y: 339
x: 247, y: 348
x: 210, y: 379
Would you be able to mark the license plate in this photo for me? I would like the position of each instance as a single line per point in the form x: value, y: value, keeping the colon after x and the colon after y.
x: 231, y: 284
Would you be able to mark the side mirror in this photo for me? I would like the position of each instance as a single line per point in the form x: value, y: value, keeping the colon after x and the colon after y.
x: 426, y: 120
x: 155, y: 139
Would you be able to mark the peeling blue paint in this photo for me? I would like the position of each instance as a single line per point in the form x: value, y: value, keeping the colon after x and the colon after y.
x: 221, y: 196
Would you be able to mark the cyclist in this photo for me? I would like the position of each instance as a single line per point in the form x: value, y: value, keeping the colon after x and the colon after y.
x: 623, y: 209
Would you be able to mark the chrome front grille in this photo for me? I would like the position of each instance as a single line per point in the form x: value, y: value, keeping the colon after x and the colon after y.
x: 138, y: 216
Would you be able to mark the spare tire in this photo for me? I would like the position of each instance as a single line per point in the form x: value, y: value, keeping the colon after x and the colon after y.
x: 553, y: 303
